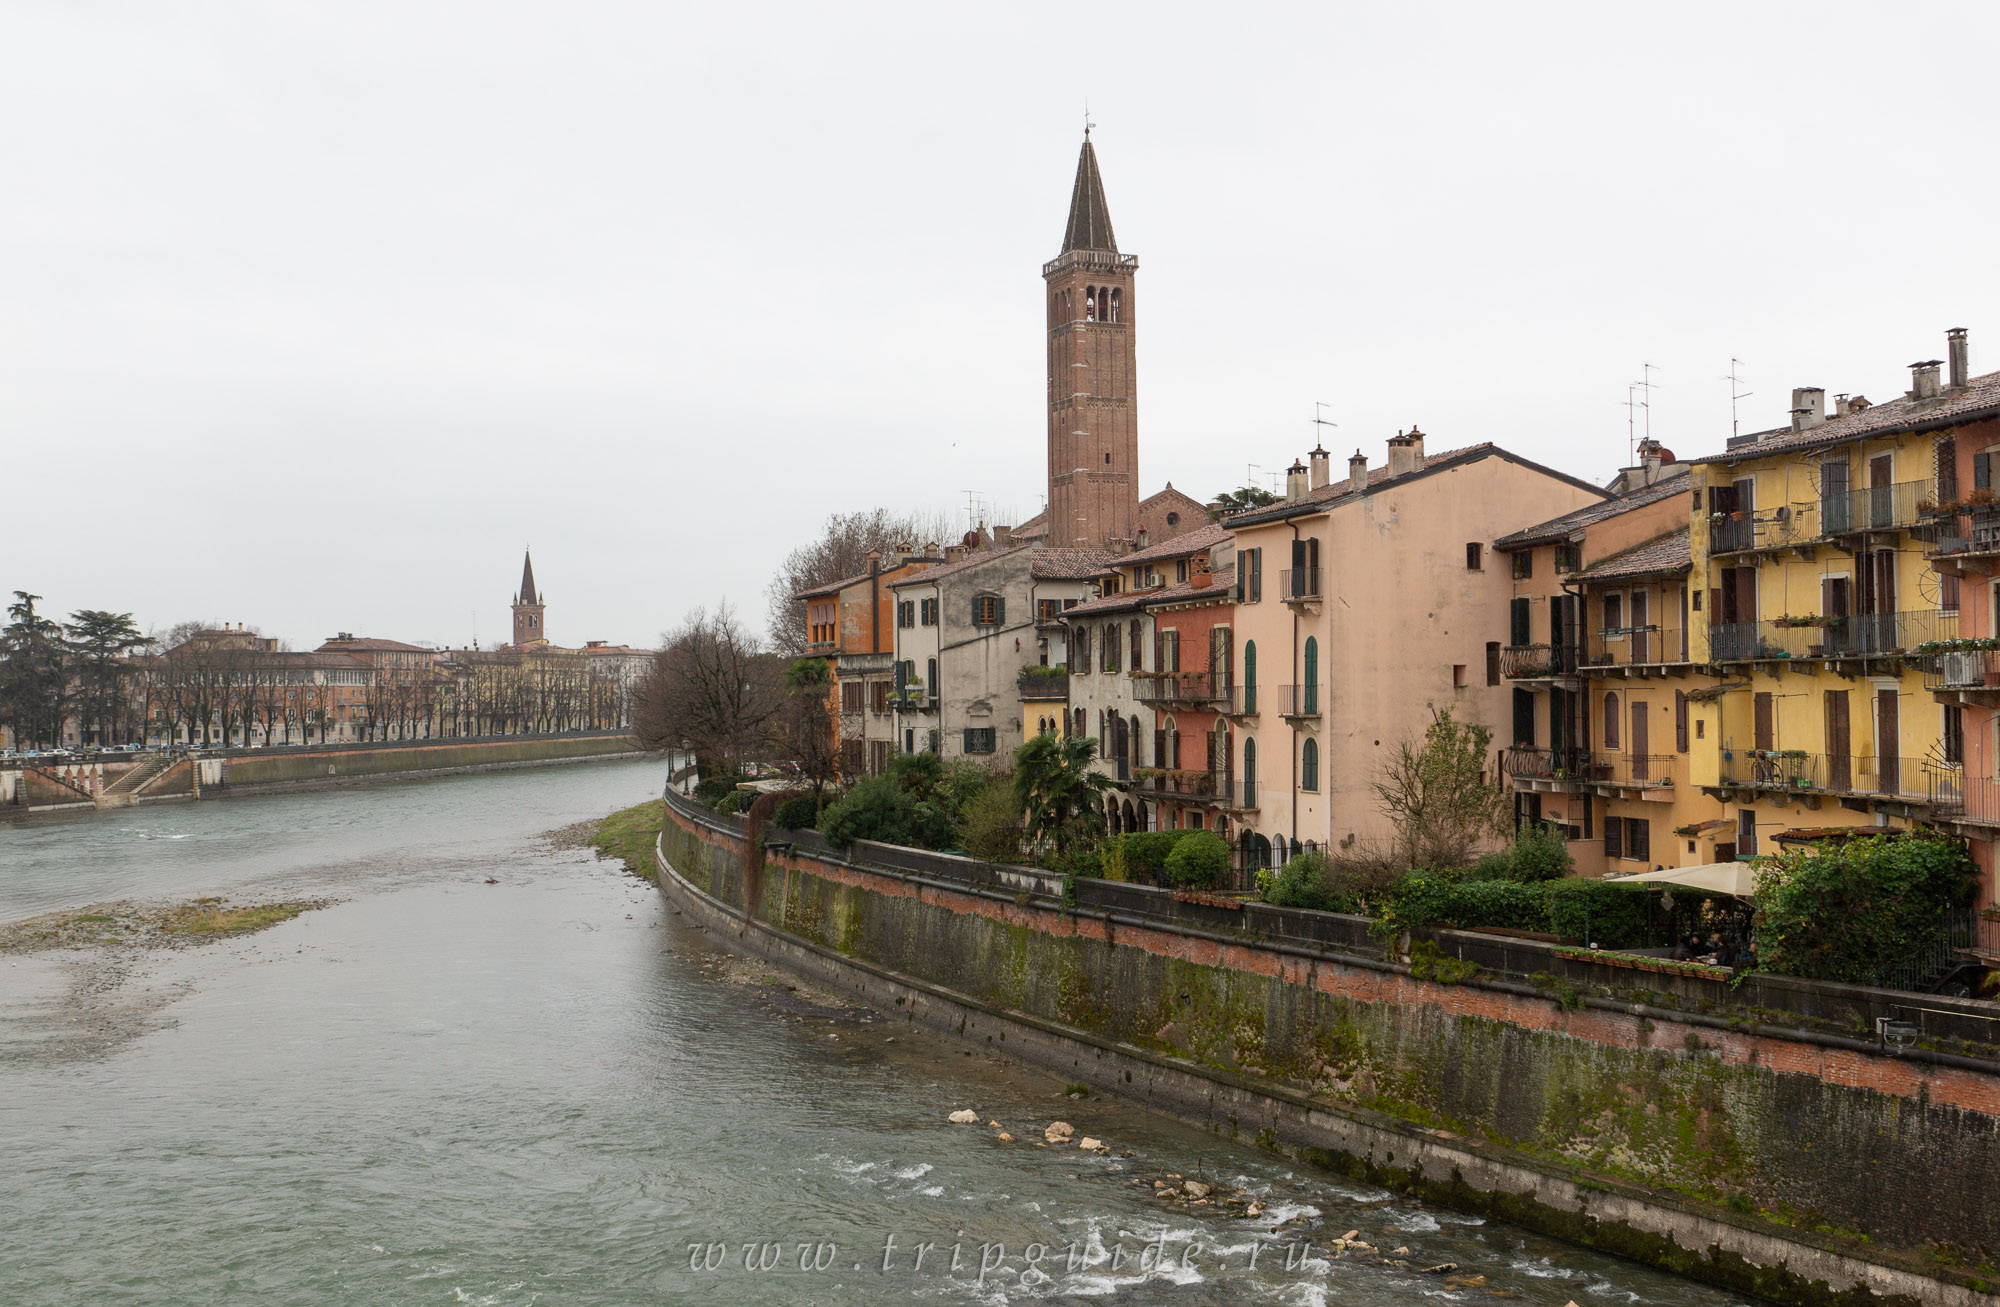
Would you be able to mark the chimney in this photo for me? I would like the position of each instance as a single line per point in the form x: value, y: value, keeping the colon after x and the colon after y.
x: 1003, y: 537
x: 874, y: 561
x: 1199, y: 575
x: 1142, y: 537
x: 1406, y: 452
x: 1357, y: 473
x: 1808, y: 407
x: 1841, y: 408
x: 1295, y: 480
x: 1955, y: 351
x: 1322, y: 468
x: 1924, y: 379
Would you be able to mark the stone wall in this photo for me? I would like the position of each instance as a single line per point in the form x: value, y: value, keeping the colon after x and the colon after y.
x: 1766, y: 1162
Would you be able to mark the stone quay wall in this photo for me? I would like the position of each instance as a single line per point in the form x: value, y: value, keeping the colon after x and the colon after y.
x: 1793, y: 1165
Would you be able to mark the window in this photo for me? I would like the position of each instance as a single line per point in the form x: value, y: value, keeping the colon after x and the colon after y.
x: 1475, y: 556
x: 1256, y: 574
x: 1047, y: 610
x: 1458, y: 676
x: 1249, y: 767
x: 1079, y: 659
x: 1947, y: 592
x: 1614, y: 838
x: 1520, y: 614
x: 988, y: 610
x: 1953, y: 742
x: 1611, y: 721
x: 1524, y: 718
x: 930, y: 678
x: 1180, y: 570
x: 1309, y: 764
x: 906, y: 613
x: 1493, y: 662
x: 1569, y: 558
x: 1170, y: 651
x: 878, y: 696
x: 1639, y: 839
x: 850, y: 696
x: 1680, y: 721
x: 1309, y: 692
x: 1614, y: 613
x: 878, y: 757
x: 1173, y: 519
x: 1524, y: 565
x: 979, y: 739
x: 1110, y: 647
x: 1249, y: 676
x: 850, y: 756
x: 1746, y: 833
x: 1138, y: 636
x: 927, y: 612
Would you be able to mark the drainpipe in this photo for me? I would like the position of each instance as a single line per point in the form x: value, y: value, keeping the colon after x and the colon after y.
x: 1295, y: 720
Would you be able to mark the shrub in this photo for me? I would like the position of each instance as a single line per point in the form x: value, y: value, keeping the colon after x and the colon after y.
x: 796, y: 813
x: 1597, y: 912
x: 734, y: 802
x: 1200, y: 860
x: 711, y: 790
x: 1141, y: 856
x: 991, y: 828
x: 1857, y: 912
x: 875, y: 809
x: 1309, y: 880
x: 1539, y: 852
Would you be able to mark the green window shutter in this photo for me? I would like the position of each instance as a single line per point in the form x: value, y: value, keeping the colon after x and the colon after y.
x: 975, y: 610
x: 1000, y: 611
x: 1982, y: 471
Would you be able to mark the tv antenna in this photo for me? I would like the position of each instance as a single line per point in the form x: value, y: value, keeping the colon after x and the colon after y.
x: 1319, y: 419
x: 1735, y: 381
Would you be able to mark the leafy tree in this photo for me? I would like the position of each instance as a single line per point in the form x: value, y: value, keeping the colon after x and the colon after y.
x: 1857, y: 912
x: 1061, y: 797
x: 34, y: 679
x: 1237, y: 501
x: 991, y: 826
x: 1439, y: 796
x: 1201, y: 861
x: 876, y: 808
x: 99, y: 643
x: 807, y: 723
x: 1307, y: 881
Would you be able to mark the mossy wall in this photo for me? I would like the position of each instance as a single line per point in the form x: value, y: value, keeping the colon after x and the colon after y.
x: 1654, y: 1105
x: 279, y: 767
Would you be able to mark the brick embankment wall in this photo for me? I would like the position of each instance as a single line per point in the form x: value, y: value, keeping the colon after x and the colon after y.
x: 1785, y: 1167
x: 294, y: 769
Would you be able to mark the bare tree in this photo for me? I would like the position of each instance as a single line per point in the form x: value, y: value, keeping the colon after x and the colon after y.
x: 841, y: 551
x: 712, y: 686
x: 1439, y: 795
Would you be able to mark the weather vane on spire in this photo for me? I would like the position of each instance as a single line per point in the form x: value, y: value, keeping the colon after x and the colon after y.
x: 1087, y: 124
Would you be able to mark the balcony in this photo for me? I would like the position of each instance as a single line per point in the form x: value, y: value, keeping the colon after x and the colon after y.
x: 1188, y: 689
x: 1238, y: 701
x: 1180, y: 785
x: 1790, y: 526
x: 1041, y: 684
x: 1876, y: 508
x: 1654, y: 774
x: 1910, y: 780
x: 1298, y: 700
x: 1237, y: 796
x: 1299, y: 585
x: 911, y: 701
x: 1637, y: 650
x: 1859, y: 635
x: 1961, y: 675
x: 1533, y: 662
x: 1964, y: 542
x: 1530, y: 765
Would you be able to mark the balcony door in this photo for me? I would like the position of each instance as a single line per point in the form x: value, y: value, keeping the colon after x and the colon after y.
x: 1888, y: 742
x: 1881, y: 476
x: 1833, y: 500
x: 1640, y: 618
x: 1635, y: 748
x: 1839, y: 765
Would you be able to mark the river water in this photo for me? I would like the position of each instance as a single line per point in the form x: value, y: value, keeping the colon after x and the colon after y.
x: 546, y: 1089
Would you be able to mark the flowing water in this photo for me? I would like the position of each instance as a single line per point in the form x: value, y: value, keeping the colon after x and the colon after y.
x: 552, y: 1089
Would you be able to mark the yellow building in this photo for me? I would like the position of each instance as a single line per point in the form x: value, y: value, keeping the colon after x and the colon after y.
x: 1813, y: 594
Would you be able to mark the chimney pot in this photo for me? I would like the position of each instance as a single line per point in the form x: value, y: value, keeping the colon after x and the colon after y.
x: 1955, y: 351
x: 1357, y: 472
x: 1406, y: 452
x: 1924, y: 379
x: 1296, y: 480
x: 1322, y: 469
x: 1808, y: 407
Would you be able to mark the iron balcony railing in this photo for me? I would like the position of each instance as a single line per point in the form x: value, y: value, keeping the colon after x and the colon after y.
x: 1190, y: 786
x: 1917, y: 780
x: 1777, y: 528
x: 1542, y: 763
x: 1963, y: 669
x: 1523, y: 661
x: 1193, y: 688
x: 1240, y: 795
x: 1978, y: 801
x: 1299, y: 700
x: 1037, y: 683
x: 1635, y: 646
x: 1858, y: 635
x: 1876, y: 508
x: 1964, y: 535
x: 1634, y: 770
x: 1238, y: 700
x: 1298, y: 583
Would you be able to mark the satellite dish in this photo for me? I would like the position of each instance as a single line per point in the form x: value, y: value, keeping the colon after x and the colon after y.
x: 971, y: 539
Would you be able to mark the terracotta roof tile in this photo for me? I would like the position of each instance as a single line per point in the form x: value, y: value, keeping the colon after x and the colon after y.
x: 1561, y: 528
x: 1197, y: 541
x: 1661, y: 556
x: 1320, y: 500
x: 1979, y: 398
x: 1069, y: 564
x: 974, y: 559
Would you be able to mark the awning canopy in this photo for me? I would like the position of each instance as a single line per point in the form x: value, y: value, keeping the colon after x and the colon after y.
x: 1737, y: 878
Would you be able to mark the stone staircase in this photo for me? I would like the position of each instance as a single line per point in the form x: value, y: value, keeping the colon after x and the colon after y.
x: 126, y: 789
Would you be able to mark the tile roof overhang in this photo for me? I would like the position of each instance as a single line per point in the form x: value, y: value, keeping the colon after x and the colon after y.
x: 1977, y: 400
x: 1331, y: 496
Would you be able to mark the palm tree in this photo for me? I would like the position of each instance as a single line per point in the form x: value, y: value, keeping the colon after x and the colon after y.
x: 1057, y: 790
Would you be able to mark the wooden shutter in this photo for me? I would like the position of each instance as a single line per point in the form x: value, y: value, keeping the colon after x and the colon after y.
x: 1680, y: 721
x: 1982, y: 471
x: 1763, y: 727
x: 1839, y: 773
x: 1611, y: 721
x: 1519, y: 632
x: 1000, y: 611
x: 1524, y: 717
x: 1614, y: 837
x: 1639, y: 839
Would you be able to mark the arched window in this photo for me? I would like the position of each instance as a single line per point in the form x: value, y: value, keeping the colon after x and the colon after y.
x: 1611, y: 721
x: 1117, y: 304
x: 1135, y: 737
x: 1090, y: 304
x: 1249, y: 676
x: 1119, y: 740
x: 1249, y: 770
x: 1278, y: 858
x: 1173, y: 758
x: 1309, y: 764
x: 1309, y: 692
x: 1138, y: 643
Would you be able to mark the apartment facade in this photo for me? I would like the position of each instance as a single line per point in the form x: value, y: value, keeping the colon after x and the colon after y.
x: 1363, y: 606
x: 855, y: 624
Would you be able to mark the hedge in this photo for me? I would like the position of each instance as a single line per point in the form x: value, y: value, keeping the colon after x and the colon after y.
x: 1616, y: 914
x: 1140, y: 856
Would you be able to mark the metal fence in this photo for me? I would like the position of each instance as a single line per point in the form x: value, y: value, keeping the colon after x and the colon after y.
x: 1924, y: 780
x: 1858, y: 635
x: 1298, y: 700
x: 1530, y: 660
x: 1298, y: 583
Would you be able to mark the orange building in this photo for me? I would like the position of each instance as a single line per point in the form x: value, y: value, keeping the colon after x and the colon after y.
x: 852, y: 624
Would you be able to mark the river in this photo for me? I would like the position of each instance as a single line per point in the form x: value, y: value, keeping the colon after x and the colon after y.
x: 438, y: 1090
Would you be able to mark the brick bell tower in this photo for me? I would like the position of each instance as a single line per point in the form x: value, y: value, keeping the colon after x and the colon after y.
x: 1093, y: 381
x: 529, y: 607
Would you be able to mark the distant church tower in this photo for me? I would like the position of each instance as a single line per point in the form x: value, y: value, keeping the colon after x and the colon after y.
x: 1093, y: 382
x: 528, y: 607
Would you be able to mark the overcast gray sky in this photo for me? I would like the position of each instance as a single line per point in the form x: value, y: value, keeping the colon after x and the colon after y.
x: 312, y: 316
